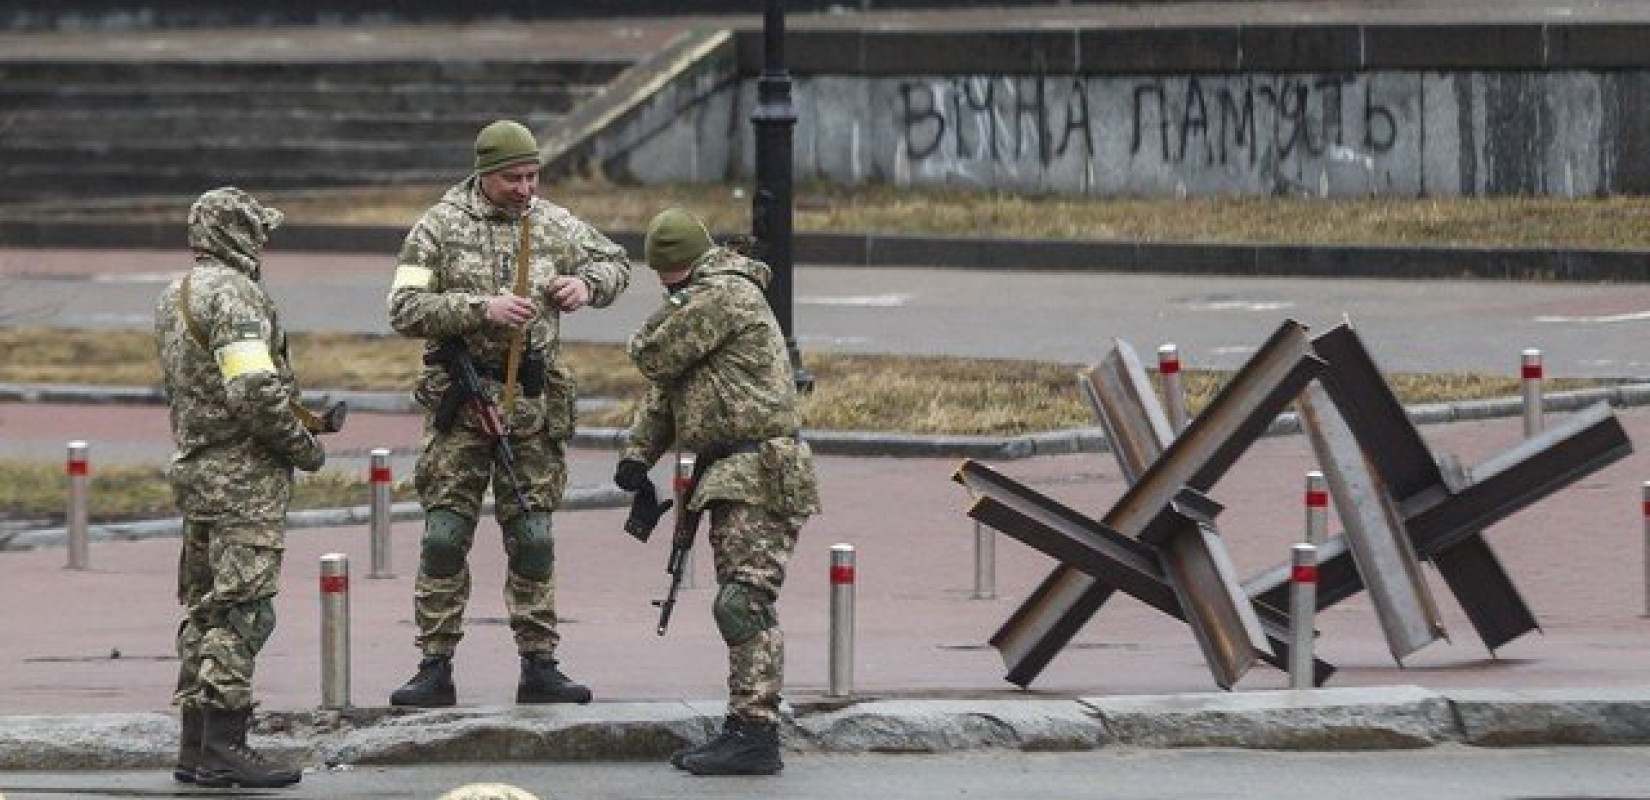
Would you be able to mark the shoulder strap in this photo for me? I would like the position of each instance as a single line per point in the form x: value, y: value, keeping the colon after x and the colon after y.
x: 189, y: 322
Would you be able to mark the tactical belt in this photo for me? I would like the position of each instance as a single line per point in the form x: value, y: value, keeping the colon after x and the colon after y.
x: 721, y: 451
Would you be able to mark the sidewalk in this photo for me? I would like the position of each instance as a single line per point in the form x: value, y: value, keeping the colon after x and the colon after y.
x: 923, y: 674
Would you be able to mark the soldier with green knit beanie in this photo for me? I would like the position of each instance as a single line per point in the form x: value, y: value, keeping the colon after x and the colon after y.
x: 721, y: 386
x: 453, y: 285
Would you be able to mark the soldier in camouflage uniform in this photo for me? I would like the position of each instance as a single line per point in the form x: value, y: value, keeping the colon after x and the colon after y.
x: 224, y: 359
x: 454, y: 279
x: 721, y: 386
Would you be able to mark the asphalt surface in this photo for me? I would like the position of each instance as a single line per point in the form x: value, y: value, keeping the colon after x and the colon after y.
x: 86, y: 668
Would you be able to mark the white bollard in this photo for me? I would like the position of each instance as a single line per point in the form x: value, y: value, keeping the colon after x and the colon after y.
x: 79, y: 471
x: 1303, y: 599
x: 985, y: 562
x: 378, y: 475
x: 335, y: 631
x: 1317, y: 509
x: 1646, y: 504
x: 842, y: 620
x: 680, y: 486
x: 1531, y: 374
x: 1174, y: 393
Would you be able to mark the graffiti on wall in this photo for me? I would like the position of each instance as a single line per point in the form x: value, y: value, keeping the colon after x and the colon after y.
x: 1180, y: 124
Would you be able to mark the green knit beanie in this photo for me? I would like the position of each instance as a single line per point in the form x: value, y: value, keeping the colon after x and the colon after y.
x: 675, y: 239
x: 505, y: 144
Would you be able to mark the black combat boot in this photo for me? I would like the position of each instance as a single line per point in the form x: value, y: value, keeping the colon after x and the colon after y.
x: 678, y: 759
x: 189, y: 744
x: 542, y: 682
x: 744, y: 748
x: 226, y: 760
x: 432, y: 687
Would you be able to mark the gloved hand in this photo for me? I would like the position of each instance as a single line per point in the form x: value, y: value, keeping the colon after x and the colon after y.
x: 631, y: 475
x: 309, y: 455
x: 645, y: 510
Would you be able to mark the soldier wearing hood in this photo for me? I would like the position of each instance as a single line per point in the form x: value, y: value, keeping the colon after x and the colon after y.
x: 721, y: 386
x: 454, y: 278
x: 224, y: 360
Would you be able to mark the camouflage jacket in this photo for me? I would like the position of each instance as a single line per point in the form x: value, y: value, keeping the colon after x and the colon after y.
x: 721, y: 380
x: 462, y: 251
x: 226, y: 372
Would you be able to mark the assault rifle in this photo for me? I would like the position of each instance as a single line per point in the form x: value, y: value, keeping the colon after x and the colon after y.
x: 681, y: 540
x: 465, y: 389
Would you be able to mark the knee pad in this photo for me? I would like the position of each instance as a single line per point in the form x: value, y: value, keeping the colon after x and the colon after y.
x: 741, y: 613
x: 532, y: 549
x: 446, y: 544
x: 252, y: 622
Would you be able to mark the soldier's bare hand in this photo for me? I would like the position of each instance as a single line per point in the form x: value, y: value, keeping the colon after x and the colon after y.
x: 567, y: 293
x: 509, y: 309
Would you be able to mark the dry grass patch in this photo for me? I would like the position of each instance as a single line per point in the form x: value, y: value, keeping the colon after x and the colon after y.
x: 1613, y: 222
x: 908, y: 394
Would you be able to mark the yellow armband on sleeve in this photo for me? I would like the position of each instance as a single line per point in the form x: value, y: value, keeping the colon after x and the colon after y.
x: 244, y: 357
x: 412, y: 277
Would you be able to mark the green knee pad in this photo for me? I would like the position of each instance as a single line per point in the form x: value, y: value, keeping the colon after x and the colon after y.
x: 533, y: 549
x: 741, y: 613
x: 253, y: 622
x: 446, y: 545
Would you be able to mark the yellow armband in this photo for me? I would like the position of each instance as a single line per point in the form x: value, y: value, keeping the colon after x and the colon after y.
x: 244, y: 357
x: 412, y: 277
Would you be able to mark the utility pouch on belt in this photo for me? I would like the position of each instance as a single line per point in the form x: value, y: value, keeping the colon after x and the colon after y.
x: 787, y: 463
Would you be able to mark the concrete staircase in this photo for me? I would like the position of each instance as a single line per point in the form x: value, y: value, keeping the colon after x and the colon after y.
x: 87, y: 129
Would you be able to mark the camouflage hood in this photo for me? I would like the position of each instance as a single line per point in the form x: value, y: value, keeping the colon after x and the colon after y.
x: 229, y: 226
x: 720, y: 261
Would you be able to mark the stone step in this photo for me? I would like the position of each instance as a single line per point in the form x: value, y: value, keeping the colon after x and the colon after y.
x: 495, y: 99
x: 209, y: 156
x: 252, y: 73
x: 251, y: 125
x: 25, y: 185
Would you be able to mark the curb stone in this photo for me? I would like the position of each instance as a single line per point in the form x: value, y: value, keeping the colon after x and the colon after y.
x: 1369, y: 718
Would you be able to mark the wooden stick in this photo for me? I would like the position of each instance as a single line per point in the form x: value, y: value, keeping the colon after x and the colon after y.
x: 518, y: 337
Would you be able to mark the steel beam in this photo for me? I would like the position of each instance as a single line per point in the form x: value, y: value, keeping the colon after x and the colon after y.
x: 1178, y: 578
x: 1445, y: 514
x: 1196, y: 459
x: 1374, y: 531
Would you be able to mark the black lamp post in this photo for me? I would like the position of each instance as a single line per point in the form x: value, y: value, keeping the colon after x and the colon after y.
x: 771, y: 205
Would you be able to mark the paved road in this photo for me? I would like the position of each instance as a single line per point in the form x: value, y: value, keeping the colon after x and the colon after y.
x: 1411, y: 326
x: 1442, y: 773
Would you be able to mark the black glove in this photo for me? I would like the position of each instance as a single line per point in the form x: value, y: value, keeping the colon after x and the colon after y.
x: 631, y: 475
x: 645, y: 508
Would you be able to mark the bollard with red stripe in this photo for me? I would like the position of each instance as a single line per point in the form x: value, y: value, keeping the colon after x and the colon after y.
x: 335, y: 634
x: 1303, y: 599
x: 1317, y: 508
x: 79, y: 471
x: 842, y: 620
x: 1174, y: 392
x: 1530, y: 372
x: 1645, y: 502
x: 379, y: 478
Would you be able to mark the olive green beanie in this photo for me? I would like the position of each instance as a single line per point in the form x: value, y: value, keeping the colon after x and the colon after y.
x: 675, y: 238
x: 505, y: 144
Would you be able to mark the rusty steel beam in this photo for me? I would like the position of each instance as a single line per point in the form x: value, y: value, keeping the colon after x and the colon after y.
x: 1179, y: 578
x: 1238, y: 415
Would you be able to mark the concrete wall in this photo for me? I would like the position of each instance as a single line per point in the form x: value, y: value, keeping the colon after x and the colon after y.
x: 1568, y: 133
x: 1536, y: 110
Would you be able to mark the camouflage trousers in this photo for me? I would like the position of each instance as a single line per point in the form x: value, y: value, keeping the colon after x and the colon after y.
x: 227, y: 580
x: 751, y: 545
x: 454, y: 472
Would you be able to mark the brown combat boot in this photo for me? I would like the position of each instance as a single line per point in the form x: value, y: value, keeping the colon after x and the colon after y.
x: 226, y: 761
